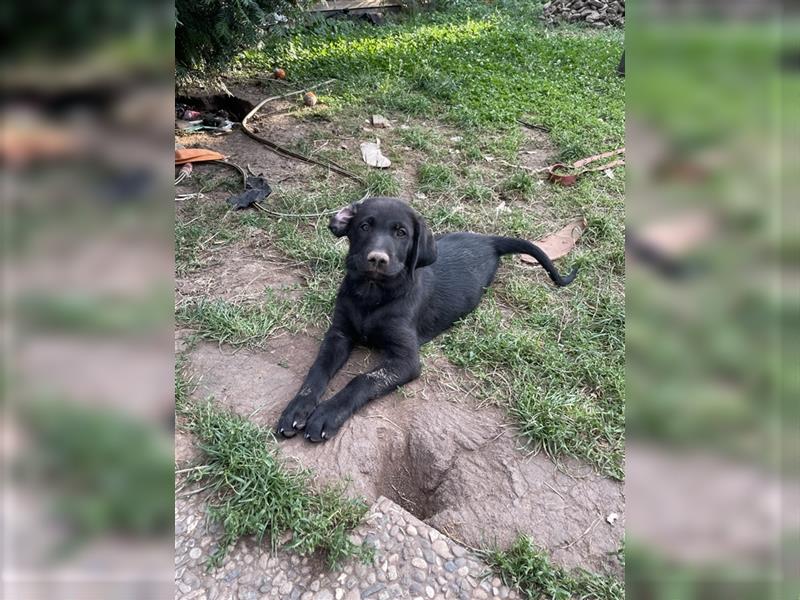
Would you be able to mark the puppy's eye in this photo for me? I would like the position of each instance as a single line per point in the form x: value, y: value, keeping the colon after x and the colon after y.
x: 401, y: 233
x: 365, y: 227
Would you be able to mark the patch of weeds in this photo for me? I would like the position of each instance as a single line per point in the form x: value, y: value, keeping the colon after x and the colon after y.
x: 237, y: 324
x: 565, y: 363
x: 435, y: 177
x: 520, y: 182
x: 252, y: 493
x: 198, y: 226
x: 446, y: 218
x: 417, y: 138
x: 528, y: 568
x: 382, y: 183
x: 476, y: 192
x: 410, y: 103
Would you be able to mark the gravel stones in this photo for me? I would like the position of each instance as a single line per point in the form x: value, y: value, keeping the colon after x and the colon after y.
x: 411, y: 560
x: 597, y: 13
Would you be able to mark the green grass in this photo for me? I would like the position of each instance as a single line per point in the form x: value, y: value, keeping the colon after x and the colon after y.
x: 435, y: 177
x: 382, y: 183
x: 237, y: 323
x: 253, y: 493
x: 475, y: 66
x: 528, y: 568
x: 553, y: 358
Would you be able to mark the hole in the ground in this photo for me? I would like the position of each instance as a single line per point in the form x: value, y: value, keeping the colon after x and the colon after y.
x: 401, y: 480
x: 236, y: 108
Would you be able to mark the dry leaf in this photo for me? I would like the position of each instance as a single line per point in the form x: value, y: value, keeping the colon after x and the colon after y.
x: 371, y: 153
x: 560, y: 243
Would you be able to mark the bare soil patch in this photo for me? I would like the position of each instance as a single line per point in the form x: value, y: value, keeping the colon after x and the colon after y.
x: 430, y: 450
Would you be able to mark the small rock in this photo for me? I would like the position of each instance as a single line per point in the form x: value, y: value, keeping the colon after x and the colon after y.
x: 419, y: 563
x: 433, y: 534
x: 195, y: 553
x: 429, y: 591
x: 286, y: 588
x: 463, y: 571
x: 373, y: 589
x: 392, y: 573
x: 339, y: 593
x: 379, y: 121
x: 314, y: 587
x: 323, y: 595
x: 441, y: 548
x: 411, y: 530
x: 450, y: 566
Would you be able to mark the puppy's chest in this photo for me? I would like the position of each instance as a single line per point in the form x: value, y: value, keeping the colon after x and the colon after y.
x: 369, y: 326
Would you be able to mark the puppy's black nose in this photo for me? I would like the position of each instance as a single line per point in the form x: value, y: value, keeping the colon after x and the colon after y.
x: 377, y: 259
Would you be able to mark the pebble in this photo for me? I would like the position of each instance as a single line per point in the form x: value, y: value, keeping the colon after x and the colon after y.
x: 419, y: 563
x: 441, y: 548
x: 411, y: 560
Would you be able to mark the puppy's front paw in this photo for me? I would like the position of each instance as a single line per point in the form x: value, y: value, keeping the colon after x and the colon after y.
x: 324, y: 422
x: 295, y: 415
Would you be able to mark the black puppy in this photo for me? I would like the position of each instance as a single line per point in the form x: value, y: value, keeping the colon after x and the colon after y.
x: 402, y: 289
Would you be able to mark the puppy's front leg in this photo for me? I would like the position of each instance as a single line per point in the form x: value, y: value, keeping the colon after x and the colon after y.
x: 333, y: 353
x: 400, y: 365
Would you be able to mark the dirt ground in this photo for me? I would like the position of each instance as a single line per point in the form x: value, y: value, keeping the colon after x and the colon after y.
x: 430, y: 447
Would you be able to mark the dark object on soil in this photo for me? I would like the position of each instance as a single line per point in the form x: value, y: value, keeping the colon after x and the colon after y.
x: 256, y: 189
x: 231, y: 107
x: 621, y: 65
x: 402, y: 288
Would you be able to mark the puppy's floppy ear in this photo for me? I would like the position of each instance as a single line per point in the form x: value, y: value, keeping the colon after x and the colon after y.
x: 340, y: 222
x: 423, y: 253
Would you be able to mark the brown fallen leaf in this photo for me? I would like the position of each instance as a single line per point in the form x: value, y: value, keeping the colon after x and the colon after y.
x: 560, y: 243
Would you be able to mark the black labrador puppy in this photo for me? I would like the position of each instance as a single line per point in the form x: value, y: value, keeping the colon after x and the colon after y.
x: 402, y: 289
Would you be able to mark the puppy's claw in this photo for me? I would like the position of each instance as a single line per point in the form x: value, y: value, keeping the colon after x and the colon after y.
x: 281, y: 431
x: 294, y: 425
x: 324, y: 435
x: 308, y: 436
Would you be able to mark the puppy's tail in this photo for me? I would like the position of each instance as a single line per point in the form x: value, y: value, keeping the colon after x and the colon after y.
x: 507, y: 245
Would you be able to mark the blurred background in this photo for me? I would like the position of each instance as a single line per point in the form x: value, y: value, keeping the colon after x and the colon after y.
x: 713, y: 419
x: 713, y: 482
x: 87, y: 376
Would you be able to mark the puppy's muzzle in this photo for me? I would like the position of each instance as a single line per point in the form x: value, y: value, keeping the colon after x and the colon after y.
x: 378, y: 261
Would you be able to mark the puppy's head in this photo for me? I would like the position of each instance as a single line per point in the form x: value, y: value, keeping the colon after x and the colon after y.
x: 387, y: 237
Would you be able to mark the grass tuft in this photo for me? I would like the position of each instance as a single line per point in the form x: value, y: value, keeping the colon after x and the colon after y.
x: 528, y: 568
x: 237, y: 324
x: 435, y: 177
x: 252, y: 493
